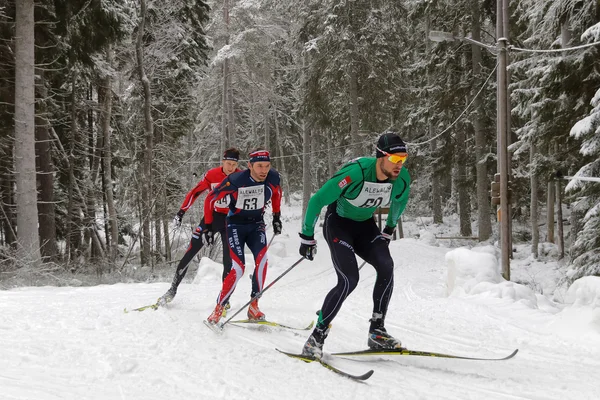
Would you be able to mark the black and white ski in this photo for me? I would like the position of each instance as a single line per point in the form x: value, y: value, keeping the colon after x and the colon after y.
x: 330, y: 367
x: 407, y: 352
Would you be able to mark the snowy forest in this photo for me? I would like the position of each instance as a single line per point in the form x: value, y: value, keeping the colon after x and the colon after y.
x: 111, y: 110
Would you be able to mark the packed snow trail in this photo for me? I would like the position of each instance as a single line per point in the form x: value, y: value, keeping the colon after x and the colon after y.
x: 77, y: 343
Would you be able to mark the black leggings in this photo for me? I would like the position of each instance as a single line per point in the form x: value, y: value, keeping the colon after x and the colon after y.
x: 346, y: 238
x: 196, y: 245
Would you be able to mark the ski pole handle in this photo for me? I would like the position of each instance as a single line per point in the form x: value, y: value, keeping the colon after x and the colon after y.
x: 262, y: 291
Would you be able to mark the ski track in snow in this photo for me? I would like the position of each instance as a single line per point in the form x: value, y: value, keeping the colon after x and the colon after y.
x: 77, y: 343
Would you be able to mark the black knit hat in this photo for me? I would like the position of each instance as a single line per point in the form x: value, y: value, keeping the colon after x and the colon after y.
x: 231, y: 154
x: 391, y: 143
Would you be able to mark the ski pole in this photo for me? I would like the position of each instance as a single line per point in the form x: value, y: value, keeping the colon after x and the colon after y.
x: 362, y: 265
x: 262, y: 291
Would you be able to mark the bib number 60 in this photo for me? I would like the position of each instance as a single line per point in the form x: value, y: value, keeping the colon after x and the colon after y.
x: 372, y: 203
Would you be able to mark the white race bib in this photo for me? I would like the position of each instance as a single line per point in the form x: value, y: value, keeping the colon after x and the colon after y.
x: 373, y: 195
x: 251, y: 198
x: 224, y: 202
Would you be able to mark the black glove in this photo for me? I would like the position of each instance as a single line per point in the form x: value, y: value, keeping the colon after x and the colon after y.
x: 178, y: 218
x: 209, y: 234
x: 308, y: 246
x: 388, y: 233
x: 277, y: 223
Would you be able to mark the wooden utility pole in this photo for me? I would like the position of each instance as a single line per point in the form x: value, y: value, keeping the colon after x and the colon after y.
x: 502, y: 135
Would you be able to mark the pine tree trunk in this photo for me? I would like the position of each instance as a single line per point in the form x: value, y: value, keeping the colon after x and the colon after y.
x: 306, y: 185
x: 252, y: 115
x: 158, y: 231
x: 283, y: 169
x: 330, y: 164
x: 462, y: 181
x: 225, y: 124
x: 92, y: 182
x: 535, y: 231
x: 436, y: 198
x: 559, y: 219
x: 354, y: 117
x: 576, y: 223
x: 306, y: 181
x: 47, y: 228
x: 230, y: 115
x: 146, y: 210
x: 27, y: 214
x: 267, y: 127
x: 464, y: 200
x: 73, y: 236
x: 550, y: 212
x: 159, y: 202
x: 167, y: 237
x: 7, y: 196
x: 484, y: 221
x: 565, y: 41
x: 107, y: 165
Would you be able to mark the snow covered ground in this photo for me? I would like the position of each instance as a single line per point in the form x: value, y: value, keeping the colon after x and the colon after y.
x: 77, y: 343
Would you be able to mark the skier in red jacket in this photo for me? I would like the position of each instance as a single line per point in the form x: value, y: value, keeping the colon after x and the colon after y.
x: 210, y: 180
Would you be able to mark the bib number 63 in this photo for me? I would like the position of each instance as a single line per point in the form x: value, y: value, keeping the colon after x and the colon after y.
x: 250, y: 204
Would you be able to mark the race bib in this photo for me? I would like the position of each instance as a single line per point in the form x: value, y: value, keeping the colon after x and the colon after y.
x: 373, y: 195
x: 251, y: 198
x: 224, y: 202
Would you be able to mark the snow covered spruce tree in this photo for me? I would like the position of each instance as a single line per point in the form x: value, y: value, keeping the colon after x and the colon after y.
x: 586, y: 249
x: 353, y: 54
x: 81, y: 33
x: 453, y: 110
x: 246, y: 98
x: 162, y: 61
x: 549, y: 96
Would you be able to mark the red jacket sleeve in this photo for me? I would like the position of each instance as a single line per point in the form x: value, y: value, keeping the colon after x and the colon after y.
x: 214, y: 195
x: 193, y: 194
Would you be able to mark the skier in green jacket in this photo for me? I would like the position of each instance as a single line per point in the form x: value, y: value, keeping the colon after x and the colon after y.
x: 352, y: 195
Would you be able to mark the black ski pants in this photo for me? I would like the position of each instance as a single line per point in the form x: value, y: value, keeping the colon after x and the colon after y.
x: 346, y: 238
x: 196, y: 244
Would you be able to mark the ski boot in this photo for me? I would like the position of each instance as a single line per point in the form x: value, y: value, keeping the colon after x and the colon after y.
x: 314, y: 344
x: 167, y: 297
x: 254, y: 312
x: 379, y: 339
x: 216, y: 315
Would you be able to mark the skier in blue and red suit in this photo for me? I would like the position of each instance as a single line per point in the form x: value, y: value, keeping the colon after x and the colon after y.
x: 249, y: 191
